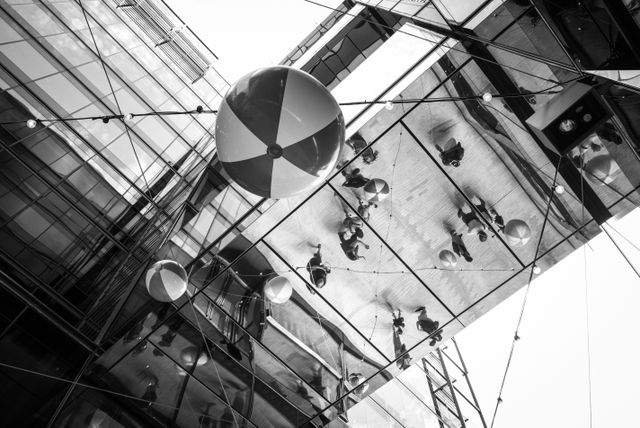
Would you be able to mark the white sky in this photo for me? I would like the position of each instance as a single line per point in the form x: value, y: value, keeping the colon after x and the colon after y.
x: 250, y: 34
x: 547, y: 384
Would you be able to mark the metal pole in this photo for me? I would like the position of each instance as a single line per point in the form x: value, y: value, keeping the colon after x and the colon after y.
x: 466, y: 377
x: 453, y: 393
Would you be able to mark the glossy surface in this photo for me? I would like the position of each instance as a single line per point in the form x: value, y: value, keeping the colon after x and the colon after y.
x: 279, y: 132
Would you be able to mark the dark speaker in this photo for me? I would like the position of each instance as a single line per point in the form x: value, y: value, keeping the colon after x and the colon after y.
x: 568, y: 118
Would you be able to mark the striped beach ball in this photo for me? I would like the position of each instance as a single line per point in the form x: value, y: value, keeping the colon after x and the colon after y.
x: 601, y: 170
x: 166, y: 281
x: 376, y: 190
x: 447, y: 258
x: 278, y: 289
x: 279, y: 132
x: 517, y: 232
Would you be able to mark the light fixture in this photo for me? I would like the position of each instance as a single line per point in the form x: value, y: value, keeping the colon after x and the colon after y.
x: 388, y: 105
x: 128, y: 117
x: 567, y: 126
x: 31, y: 123
x: 559, y: 189
x: 537, y: 269
x: 487, y: 97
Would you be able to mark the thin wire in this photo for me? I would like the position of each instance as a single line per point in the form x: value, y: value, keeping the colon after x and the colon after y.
x: 129, y: 116
x: 586, y: 301
x: 213, y: 362
x: 386, y: 237
x: 370, y: 21
x: 516, y: 337
x: 84, y: 385
x: 113, y: 93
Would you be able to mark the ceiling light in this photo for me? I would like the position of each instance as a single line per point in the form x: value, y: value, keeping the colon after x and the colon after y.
x: 567, y: 125
x: 31, y: 123
x: 487, y: 97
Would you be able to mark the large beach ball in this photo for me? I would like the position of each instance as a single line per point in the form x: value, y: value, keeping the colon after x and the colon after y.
x: 189, y: 357
x: 517, y: 232
x: 166, y: 281
x: 447, y: 258
x: 376, y: 190
x: 601, y: 169
x: 278, y: 289
x: 279, y: 132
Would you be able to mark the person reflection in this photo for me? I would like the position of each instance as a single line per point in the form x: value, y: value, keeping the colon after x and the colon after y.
x: 351, y: 245
x: 206, y: 420
x: 452, y: 152
x: 429, y: 326
x: 152, y: 383
x: 318, y: 271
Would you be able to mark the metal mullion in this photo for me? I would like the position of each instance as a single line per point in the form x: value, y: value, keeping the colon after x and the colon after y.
x: 453, y: 395
x: 127, y: 52
x: 222, y: 400
x: 85, y: 87
x: 338, y: 399
x: 246, y: 332
x: 417, y: 397
x: 237, y: 324
x: 118, y: 16
x: 64, y: 198
x: 466, y: 377
x: 231, y: 228
x: 96, y: 151
x: 30, y: 300
x: 45, y: 288
x: 385, y: 410
x: 33, y: 200
x: 394, y: 252
x: 433, y: 396
x: 459, y: 189
x: 456, y: 388
x: 252, y: 372
x: 295, y: 271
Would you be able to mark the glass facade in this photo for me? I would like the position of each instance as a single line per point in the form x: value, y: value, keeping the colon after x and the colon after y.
x: 87, y: 206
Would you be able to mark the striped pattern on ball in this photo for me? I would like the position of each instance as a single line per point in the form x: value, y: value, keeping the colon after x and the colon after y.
x: 517, y: 232
x: 279, y: 132
x: 447, y: 258
x: 166, y: 281
x: 376, y: 190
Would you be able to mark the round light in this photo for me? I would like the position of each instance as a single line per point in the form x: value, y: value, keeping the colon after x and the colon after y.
x: 567, y: 125
x: 31, y: 123
x: 487, y: 97
x: 388, y: 105
x: 537, y: 269
x: 279, y: 132
x: 587, y: 118
x: 559, y: 189
x: 128, y: 117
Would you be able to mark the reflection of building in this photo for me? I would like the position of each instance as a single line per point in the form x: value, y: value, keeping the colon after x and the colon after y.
x: 81, y: 223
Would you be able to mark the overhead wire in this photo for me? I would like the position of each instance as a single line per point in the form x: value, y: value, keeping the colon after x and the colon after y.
x: 586, y: 301
x: 87, y: 386
x: 388, y: 27
x: 113, y: 93
x: 516, y: 337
